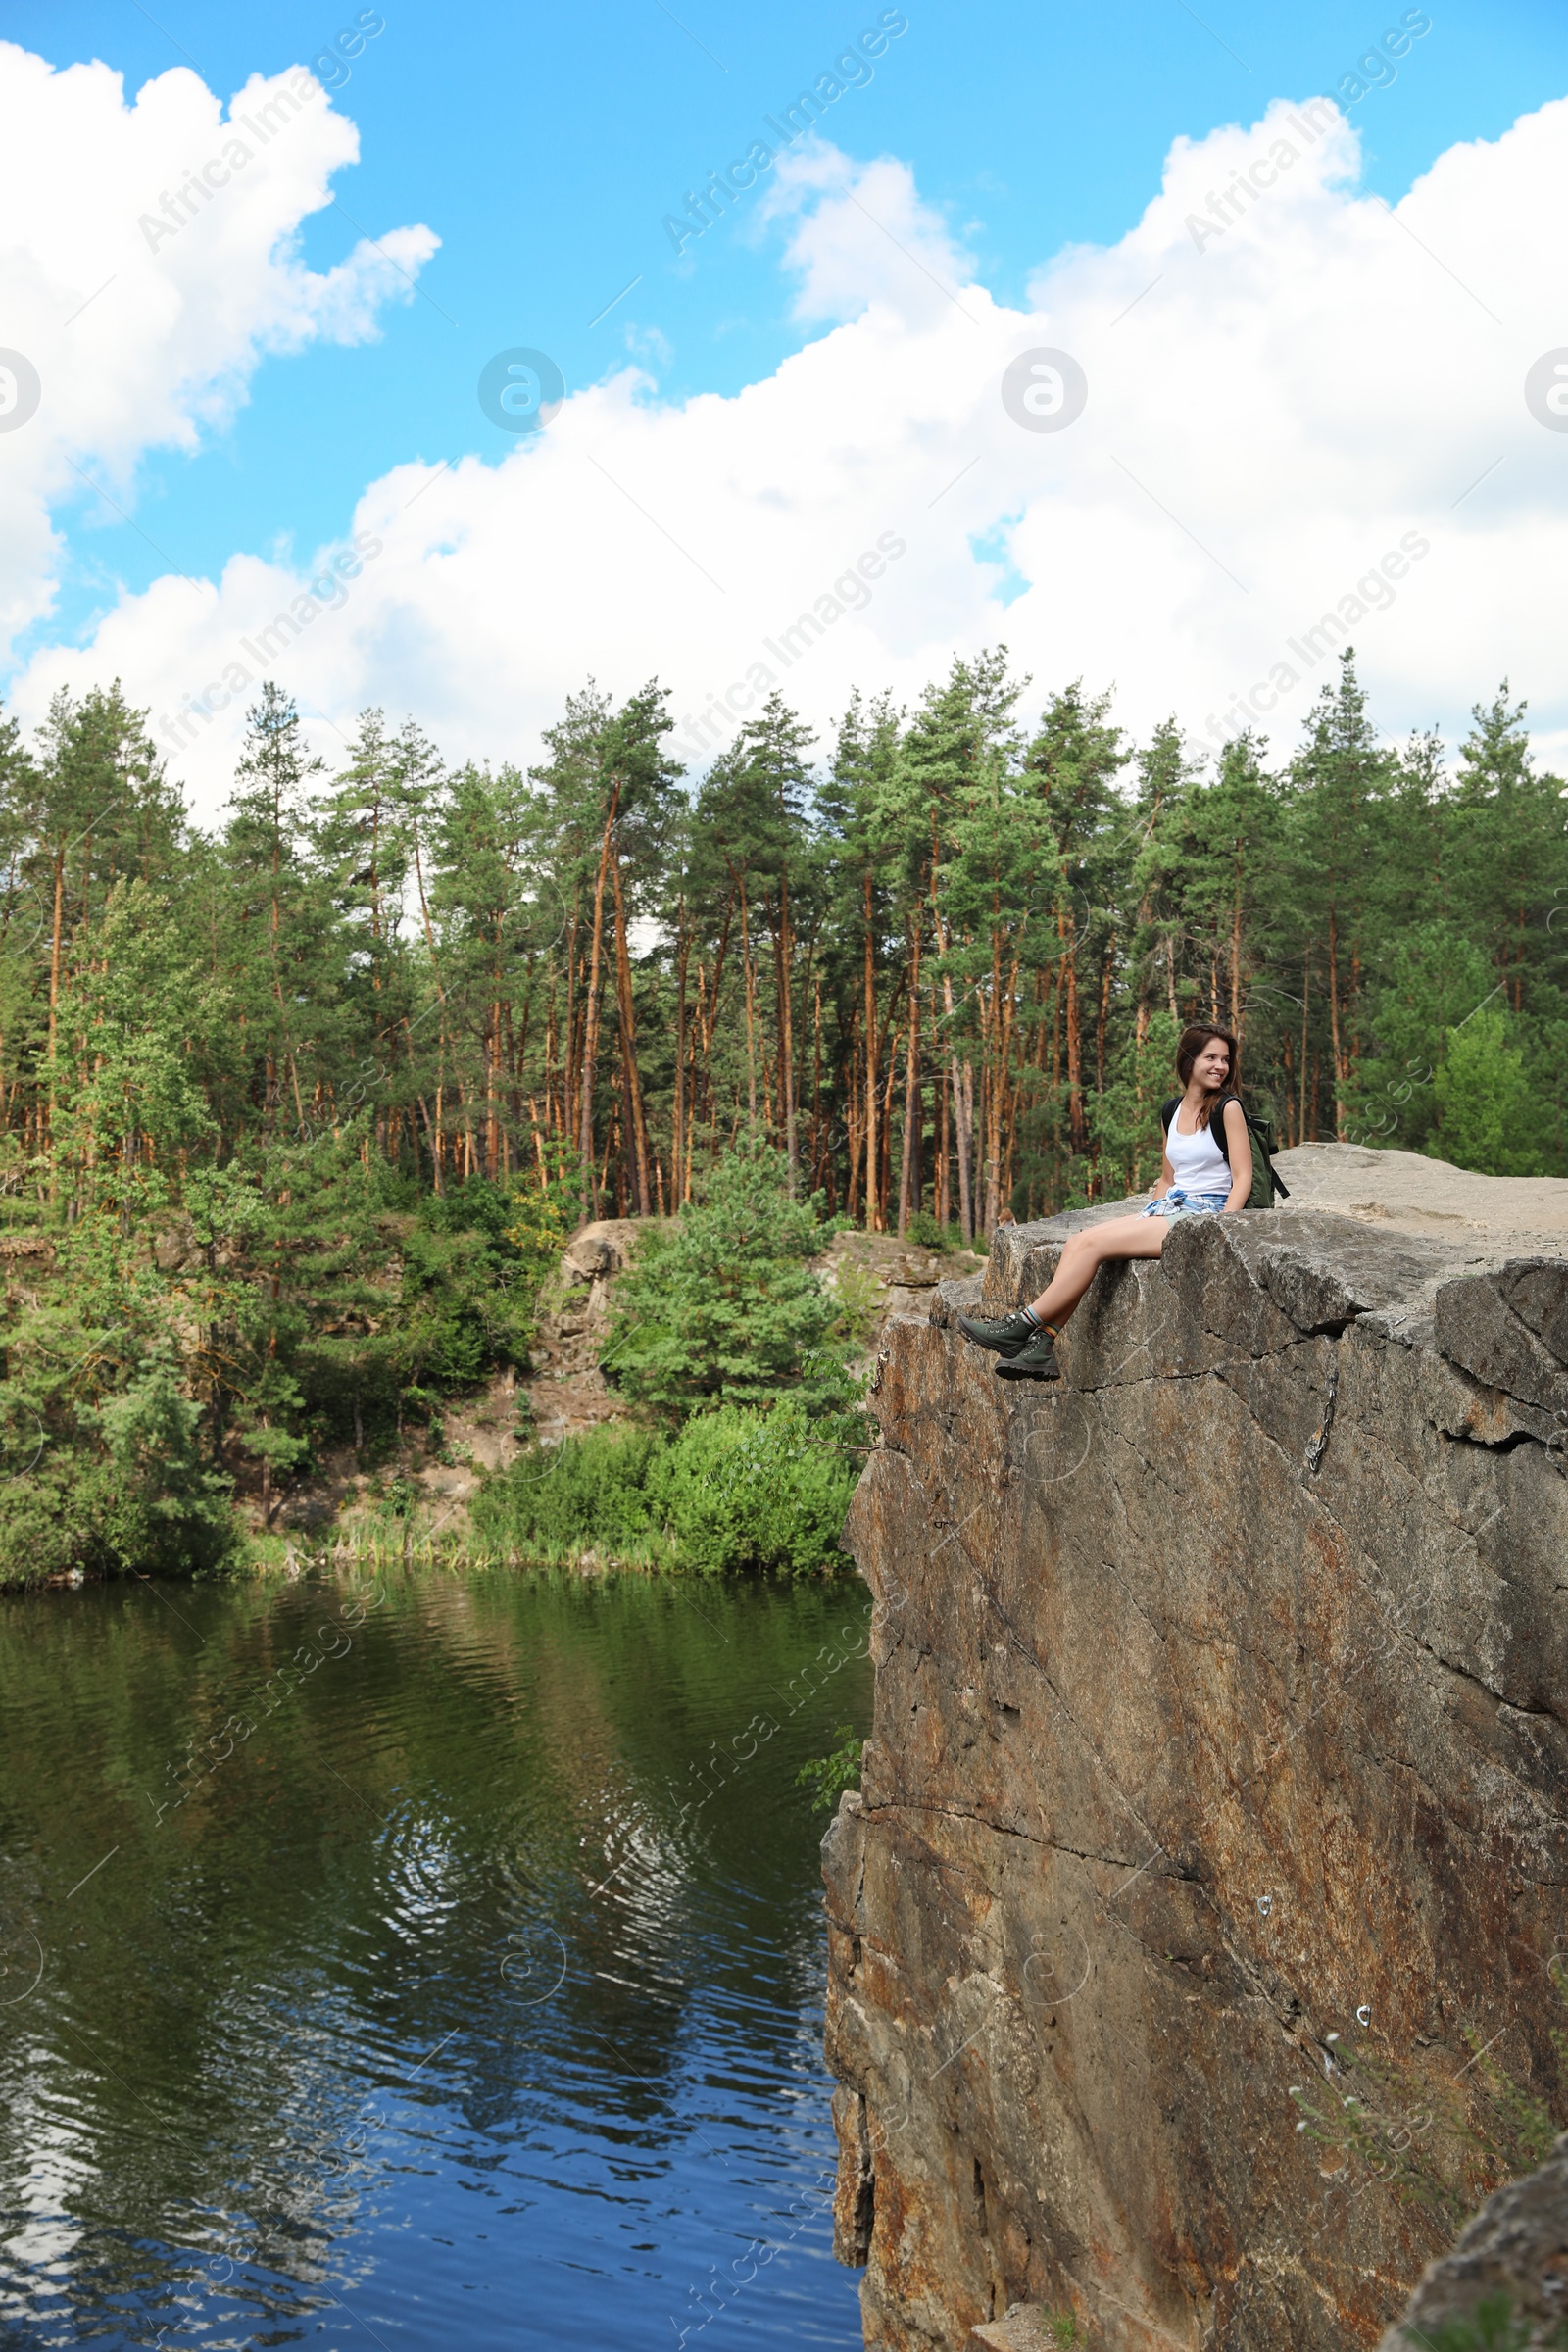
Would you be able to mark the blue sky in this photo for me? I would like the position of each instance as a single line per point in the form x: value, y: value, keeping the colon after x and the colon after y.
x: 543, y: 146
x: 1276, y: 417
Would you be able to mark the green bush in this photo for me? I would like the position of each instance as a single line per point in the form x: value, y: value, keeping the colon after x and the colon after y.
x: 926, y: 1233
x: 861, y: 1295
x: 102, y: 1468
x: 742, y: 1489
x: 75, y: 1514
x: 722, y: 1306
x: 587, y: 1494
x: 1484, y: 1107
x: 307, y: 1306
x: 827, y: 1777
x: 738, y: 1488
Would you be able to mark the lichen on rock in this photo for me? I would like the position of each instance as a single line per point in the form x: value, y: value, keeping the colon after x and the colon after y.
x: 1194, y: 1937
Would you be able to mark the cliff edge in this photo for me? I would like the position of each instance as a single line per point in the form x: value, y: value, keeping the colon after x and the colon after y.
x: 1196, y: 1936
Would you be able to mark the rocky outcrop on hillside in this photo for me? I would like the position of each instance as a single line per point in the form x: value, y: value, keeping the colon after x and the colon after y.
x: 877, y: 1275
x: 562, y: 1393
x: 567, y: 1392
x: 1195, y: 1935
x: 1510, y: 2265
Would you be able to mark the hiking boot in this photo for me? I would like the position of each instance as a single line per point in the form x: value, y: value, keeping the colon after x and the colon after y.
x: 1036, y: 1359
x: 1005, y: 1336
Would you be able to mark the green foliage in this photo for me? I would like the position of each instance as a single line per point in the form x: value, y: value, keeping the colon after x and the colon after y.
x: 736, y: 1488
x: 1493, y: 2327
x: 744, y: 1489
x: 340, y: 1076
x: 1432, y: 979
x: 925, y: 1233
x: 723, y: 1305
x: 139, y: 1003
x: 827, y: 1777
x: 859, y: 1290
x: 308, y: 1312
x: 98, y: 1439
x: 587, y: 1494
x: 544, y: 1213
x: 1123, y: 1120
x: 348, y: 1311
x: 1484, y: 1115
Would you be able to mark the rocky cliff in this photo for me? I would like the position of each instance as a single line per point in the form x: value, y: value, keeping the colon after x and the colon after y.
x: 1195, y: 1935
x: 1507, y: 2279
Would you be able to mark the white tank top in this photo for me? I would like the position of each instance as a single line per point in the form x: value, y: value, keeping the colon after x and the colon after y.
x: 1197, y: 1163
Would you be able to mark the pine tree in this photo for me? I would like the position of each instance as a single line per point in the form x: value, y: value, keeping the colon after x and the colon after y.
x: 283, y: 908
x: 753, y: 802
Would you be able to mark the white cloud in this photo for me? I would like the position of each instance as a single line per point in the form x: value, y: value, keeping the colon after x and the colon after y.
x: 1272, y: 409
x: 149, y: 268
x: 865, y: 241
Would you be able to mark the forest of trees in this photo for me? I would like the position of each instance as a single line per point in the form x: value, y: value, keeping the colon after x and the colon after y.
x: 938, y: 960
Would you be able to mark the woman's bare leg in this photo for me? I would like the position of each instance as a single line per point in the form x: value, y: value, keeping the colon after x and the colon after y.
x: 1086, y: 1251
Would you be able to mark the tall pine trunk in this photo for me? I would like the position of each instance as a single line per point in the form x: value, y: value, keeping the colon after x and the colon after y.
x: 784, y: 955
x: 873, y: 1211
x: 590, y: 1044
x: 628, y: 1050
x: 680, y: 1156
x: 908, y: 1172
x: 1334, y: 1026
x: 751, y: 1008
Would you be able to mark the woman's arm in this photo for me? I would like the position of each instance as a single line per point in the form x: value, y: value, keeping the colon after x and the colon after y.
x: 1240, y: 1155
x: 1167, y: 1177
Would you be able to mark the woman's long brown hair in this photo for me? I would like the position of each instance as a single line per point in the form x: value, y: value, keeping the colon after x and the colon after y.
x: 1189, y: 1047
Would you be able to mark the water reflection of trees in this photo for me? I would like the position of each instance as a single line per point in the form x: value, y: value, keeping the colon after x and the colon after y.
x: 457, y: 1889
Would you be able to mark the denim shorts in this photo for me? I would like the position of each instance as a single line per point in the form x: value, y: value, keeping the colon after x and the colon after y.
x: 1177, y: 1204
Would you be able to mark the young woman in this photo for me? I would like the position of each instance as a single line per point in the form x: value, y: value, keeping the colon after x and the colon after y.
x: 1198, y: 1179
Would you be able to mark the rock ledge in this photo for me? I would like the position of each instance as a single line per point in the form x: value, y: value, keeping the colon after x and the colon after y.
x: 1219, y: 1777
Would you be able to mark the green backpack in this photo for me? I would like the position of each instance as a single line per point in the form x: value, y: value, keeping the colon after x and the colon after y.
x: 1267, y: 1182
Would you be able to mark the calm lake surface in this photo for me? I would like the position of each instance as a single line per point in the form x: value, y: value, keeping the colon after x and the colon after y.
x: 389, y: 1963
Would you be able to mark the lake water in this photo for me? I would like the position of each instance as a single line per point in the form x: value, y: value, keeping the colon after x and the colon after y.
x: 395, y: 1963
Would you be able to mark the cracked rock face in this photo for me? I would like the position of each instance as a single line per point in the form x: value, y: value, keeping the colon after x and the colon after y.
x: 1218, y: 1777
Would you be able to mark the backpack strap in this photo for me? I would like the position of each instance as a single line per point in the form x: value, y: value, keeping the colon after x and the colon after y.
x: 1216, y: 1123
x: 1167, y: 1111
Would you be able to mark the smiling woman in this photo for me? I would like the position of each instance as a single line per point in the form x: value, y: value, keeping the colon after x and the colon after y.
x: 1207, y: 1171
